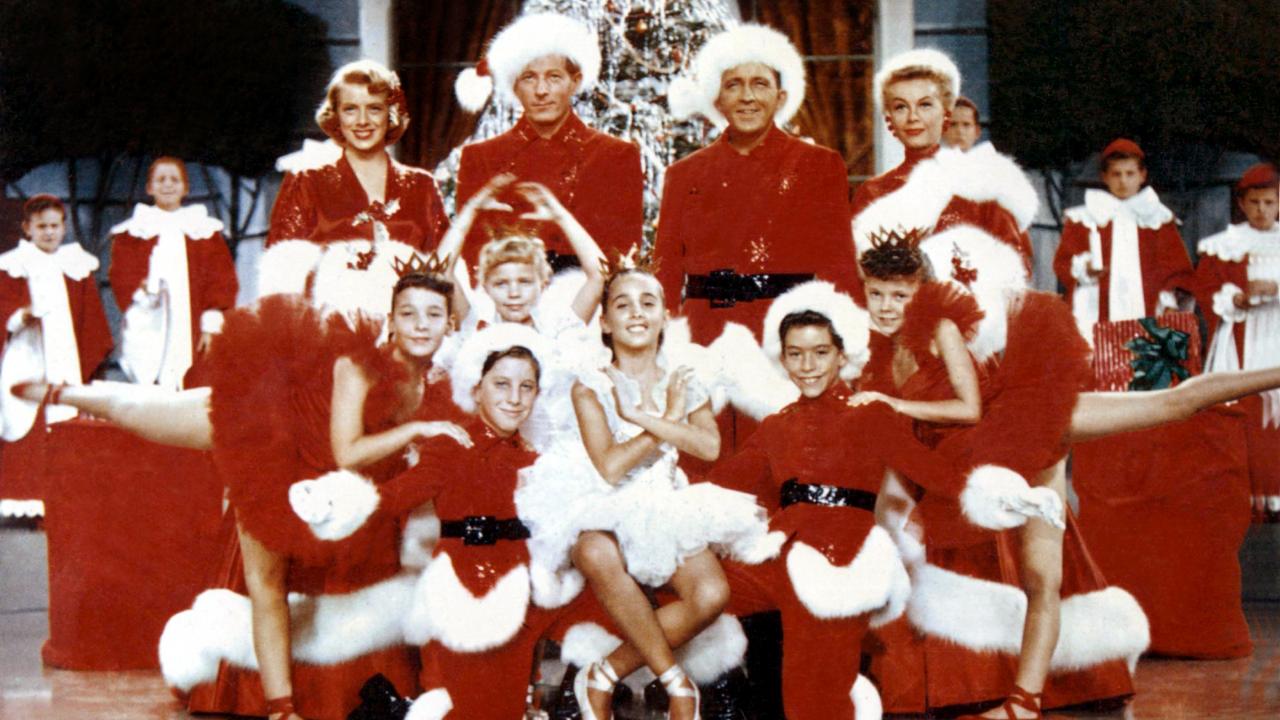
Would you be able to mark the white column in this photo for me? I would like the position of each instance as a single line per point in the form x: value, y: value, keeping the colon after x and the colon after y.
x: 375, y: 30
x: 895, y: 33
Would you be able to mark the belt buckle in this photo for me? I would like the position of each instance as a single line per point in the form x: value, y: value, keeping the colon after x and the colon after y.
x: 478, y: 530
x: 722, y: 282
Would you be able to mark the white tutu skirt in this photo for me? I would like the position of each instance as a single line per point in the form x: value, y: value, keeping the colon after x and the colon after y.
x: 657, y: 518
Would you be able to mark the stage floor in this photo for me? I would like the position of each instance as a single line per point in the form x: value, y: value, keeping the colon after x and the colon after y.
x: 1167, y: 689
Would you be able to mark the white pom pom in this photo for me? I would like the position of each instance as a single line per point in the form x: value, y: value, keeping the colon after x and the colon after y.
x: 684, y: 98
x: 335, y: 504
x: 472, y: 90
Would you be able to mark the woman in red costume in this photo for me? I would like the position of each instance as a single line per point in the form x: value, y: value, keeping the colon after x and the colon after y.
x: 173, y: 278
x: 1029, y: 411
x: 297, y: 393
x: 937, y: 187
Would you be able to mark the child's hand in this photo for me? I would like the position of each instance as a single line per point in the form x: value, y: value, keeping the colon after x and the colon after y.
x: 428, y: 429
x: 546, y: 206
x: 1263, y: 288
x: 868, y: 397
x: 625, y: 411
x: 486, y: 198
x: 677, y: 395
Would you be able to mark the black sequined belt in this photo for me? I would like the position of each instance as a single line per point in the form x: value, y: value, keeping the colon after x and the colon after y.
x: 797, y: 492
x: 560, y: 261
x: 725, y: 288
x: 484, y: 529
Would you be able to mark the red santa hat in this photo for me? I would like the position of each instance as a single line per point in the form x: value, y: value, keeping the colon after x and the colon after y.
x: 850, y: 322
x: 736, y: 46
x: 526, y: 39
x: 1262, y: 175
x: 934, y: 61
x: 1123, y: 146
x: 467, y: 367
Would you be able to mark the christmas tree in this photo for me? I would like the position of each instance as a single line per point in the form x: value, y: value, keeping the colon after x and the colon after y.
x: 644, y: 46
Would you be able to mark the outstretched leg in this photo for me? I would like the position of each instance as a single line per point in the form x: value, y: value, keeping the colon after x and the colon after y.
x: 1098, y: 414
x: 168, y: 417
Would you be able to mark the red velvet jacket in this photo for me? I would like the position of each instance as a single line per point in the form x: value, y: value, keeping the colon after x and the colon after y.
x: 782, y: 208
x: 597, y: 177
x: 93, y: 335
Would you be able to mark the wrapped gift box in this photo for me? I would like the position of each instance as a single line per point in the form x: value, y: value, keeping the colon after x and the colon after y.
x: 1150, y: 353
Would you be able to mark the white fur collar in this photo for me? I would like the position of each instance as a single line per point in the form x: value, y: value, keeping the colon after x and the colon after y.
x: 1237, y: 241
x: 1100, y: 207
x: 74, y: 261
x: 312, y: 156
x: 148, y: 221
x: 980, y: 175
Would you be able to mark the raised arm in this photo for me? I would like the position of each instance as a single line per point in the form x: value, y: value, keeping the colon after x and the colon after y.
x: 352, y: 447
x: 451, y: 246
x: 548, y: 207
x: 612, y: 458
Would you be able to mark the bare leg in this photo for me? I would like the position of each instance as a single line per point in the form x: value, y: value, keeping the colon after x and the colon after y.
x: 169, y: 417
x: 264, y: 573
x: 1098, y: 414
x: 1042, y: 581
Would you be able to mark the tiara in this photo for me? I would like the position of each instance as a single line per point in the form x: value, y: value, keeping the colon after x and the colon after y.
x: 634, y: 260
x: 418, y: 264
x: 900, y: 237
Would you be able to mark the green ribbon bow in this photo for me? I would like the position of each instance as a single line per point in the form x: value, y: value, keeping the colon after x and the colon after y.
x: 1158, y: 358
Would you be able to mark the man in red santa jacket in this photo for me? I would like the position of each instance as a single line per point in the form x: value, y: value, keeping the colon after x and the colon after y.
x: 757, y: 211
x: 542, y: 61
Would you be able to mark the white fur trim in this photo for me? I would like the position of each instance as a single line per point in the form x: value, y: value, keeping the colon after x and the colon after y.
x: 211, y: 321
x: 684, y: 98
x: 335, y: 504
x: 747, y: 377
x: 313, y: 155
x: 283, y: 268
x: 554, y: 588
x: 472, y: 90
x: 587, y: 642
x: 431, y: 705
x: 326, y: 630
x: 998, y: 498
x: 927, y: 58
x: 851, y: 323
x: 443, y: 609
x: 148, y: 221
x: 761, y: 548
x: 338, y: 284
x: 465, y: 371
x: 1224, y: 304
x: 1002, y: 277
x: 719, y: 648
x: 866, y: 700
x: 871, y: 581
x: 1080, y: 264
x: 534, y: 36
x: 736, y: 46
x: 419, y: 537
x: 986, y: 616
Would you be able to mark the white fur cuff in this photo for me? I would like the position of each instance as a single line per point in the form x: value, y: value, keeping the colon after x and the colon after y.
x: 432, y: 705
x: 866, y: 700
x: 211, y: 321
x: 1224, y: 305
x: 14, y: 323
x: 998, y: 498
x: 1080, y: 268
x: 335, y: 504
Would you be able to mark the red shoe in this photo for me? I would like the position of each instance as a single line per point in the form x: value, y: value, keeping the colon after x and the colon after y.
x: 1017, y: 698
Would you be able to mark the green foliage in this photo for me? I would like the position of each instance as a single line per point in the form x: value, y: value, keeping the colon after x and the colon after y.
x: 1069, y: 76
x: 216, y: 81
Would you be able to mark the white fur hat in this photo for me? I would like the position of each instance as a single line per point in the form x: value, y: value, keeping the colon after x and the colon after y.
x: 466, y: 370
x: 520, y: 43
x: 851, y: 322
x: 731, y: 48
x: 929, y: 59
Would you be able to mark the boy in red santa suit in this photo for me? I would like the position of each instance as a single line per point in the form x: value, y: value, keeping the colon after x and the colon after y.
x: 543, y: 61
x: 1121, y: 256
x: 55, y: 328
x: 1237, y: 281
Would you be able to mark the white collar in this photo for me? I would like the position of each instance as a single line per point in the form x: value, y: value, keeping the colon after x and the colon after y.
x: 71, y: 259
x: 1145, y: 207
x: 149, y: 221
x: 1237, y: 241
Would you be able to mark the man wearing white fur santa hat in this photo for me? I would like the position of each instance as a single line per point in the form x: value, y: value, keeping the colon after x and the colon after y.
x: 543, y: 61
x: 937, y: 187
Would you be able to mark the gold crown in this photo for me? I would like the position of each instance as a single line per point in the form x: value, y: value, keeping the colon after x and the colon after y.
x: 418, y: 264
x: 634, y: 260
x: 900, y: 237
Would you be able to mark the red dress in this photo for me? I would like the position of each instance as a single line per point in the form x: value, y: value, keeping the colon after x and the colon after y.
x: 211, y: 273
x: 476, y: 622
x: 942, y: 656
x: 597, y: 177
x: 943, y: 189
x: 327, y: 204
x: 838, y: 572
x: 272, y: 384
